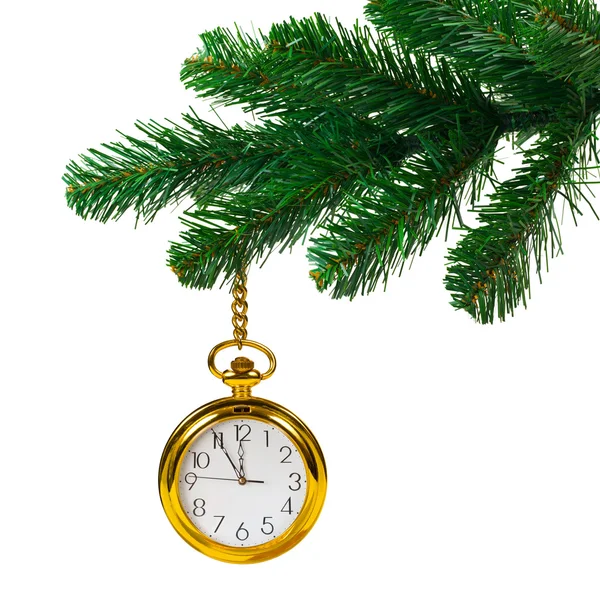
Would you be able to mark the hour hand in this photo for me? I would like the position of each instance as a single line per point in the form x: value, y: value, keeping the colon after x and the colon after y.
x: 241, y: 455
x: 220, y: 444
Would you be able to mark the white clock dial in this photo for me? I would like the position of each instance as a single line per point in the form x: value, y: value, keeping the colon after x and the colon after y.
x: 242, y: 482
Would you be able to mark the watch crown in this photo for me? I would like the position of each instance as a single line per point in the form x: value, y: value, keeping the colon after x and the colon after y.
x: 242, y: 365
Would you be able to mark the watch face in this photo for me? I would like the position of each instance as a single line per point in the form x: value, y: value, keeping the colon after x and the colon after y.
x: 242, y: 482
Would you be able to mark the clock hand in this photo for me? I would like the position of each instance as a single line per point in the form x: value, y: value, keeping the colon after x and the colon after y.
x: 191, y: 479
x: 241, y: 455
x: 228, y: 479
x: 220, y: 443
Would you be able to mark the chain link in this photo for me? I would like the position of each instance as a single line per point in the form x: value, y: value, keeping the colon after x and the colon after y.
x: 239, y: 306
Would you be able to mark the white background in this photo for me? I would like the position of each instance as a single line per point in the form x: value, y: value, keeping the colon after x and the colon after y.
x: 481, y: 444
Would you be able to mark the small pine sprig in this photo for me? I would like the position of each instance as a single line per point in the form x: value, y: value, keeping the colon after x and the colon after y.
x: 304, y: 66
x: 145, y: 175
x: 485, y: 40
x: 398, y: 214
x: 489, y: 271
x: 566, y: 42
x: 306, y: 181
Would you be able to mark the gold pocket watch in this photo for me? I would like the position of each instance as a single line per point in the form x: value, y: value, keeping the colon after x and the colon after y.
x: 242, y: 479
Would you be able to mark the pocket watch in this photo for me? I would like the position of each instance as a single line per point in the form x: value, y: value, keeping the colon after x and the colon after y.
x: 242, y: 479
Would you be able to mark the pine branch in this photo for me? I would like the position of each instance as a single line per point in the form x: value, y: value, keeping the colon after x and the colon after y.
x: 173, y: 163
x: 310, y: 65
x: 177, y: 162
x: 489, y: 271
x: 228, y: 229
x: 233, y: 231
x: 567, y: 44
x: 582, y: 15
x: 335, y: 160
x: 475, y: 44
x: 398, y: 213
x: 149, y: 174
x: 375, y: 139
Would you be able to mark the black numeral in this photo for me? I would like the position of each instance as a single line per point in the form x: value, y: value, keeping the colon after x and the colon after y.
x: 297, y: 478
x: 267, y: 438
x: 198, y: 507
x: 239, y: 430
x: 289, y: 453
x: 217, y: 440
x: 287, y: 507
x: 242, y: 534
x: 191, y: 478
x: 266, y: 523
x: 222, y: 517
x: 201, y: 460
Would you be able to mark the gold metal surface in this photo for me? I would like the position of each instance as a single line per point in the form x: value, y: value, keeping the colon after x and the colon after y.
x: 242, y: 364
x: 251, y: 344
x: 239, y: 306
x: 210, y: 415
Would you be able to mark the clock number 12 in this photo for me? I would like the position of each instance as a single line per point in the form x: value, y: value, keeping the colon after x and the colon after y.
x: 240, y: 429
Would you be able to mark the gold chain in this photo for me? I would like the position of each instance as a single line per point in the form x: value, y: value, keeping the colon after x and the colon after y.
x: 239, y: 306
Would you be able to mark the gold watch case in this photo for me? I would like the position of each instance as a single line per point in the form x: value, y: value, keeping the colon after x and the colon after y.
x: 210, y: 415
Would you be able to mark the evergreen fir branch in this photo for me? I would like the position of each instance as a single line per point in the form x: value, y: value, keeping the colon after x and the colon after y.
x: 398, y: 213
x: 309, y: 64
x: 374, y: 138
x: 334, y: 161
x: 172, y: 163
x: 175, y: 162
x: 506, y: 17
x: 235, y: 230
x: 560, y: 44
x: 576, y: 15
x: 494, y: 57
x: 489, y: 270
x: 229, y: 228
x: 277, y: 62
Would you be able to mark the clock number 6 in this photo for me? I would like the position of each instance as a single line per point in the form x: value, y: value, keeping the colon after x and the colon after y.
x: 244, y: 535
x: 267, y: 523
x: 198, y: 507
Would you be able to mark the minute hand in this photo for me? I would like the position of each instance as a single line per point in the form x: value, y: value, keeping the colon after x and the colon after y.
x: 229, y: 479
x: 220, y: 443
